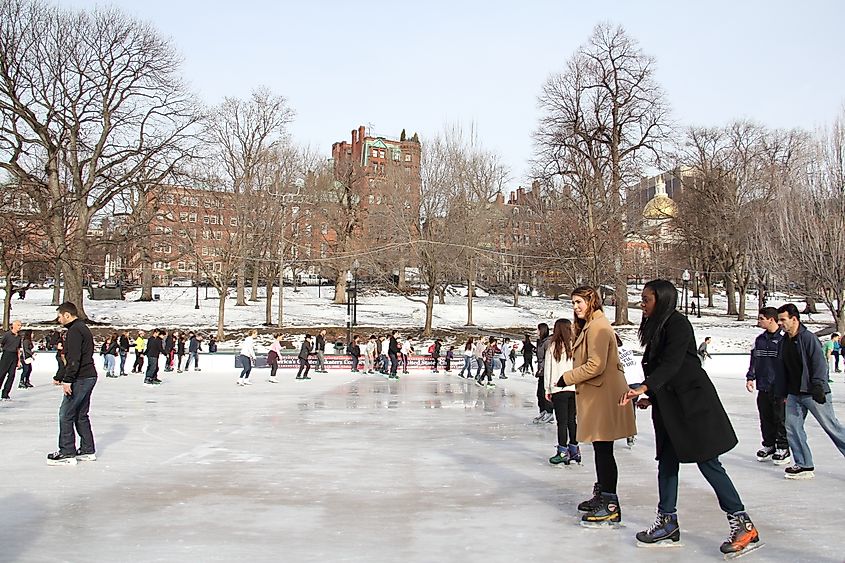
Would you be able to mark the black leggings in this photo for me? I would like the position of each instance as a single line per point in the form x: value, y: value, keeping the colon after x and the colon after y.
x: 564, y: 404
x: 542, y: 403
x: 606, y: 472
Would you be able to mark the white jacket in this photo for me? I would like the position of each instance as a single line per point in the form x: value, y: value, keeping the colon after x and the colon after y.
x: 248, y: 348
x: 553, y: 370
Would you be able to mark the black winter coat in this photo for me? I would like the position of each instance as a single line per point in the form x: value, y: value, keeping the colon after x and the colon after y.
x: 687, y: 412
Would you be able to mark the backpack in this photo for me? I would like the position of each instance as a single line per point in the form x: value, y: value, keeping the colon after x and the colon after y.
x: 431, y: 349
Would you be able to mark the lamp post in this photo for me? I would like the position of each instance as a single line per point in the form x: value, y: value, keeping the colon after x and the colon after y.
x: 348, y: 307
x: 685, y: 277
x: 355, y: 266
x: 698, y: 295
x: 196, y: 285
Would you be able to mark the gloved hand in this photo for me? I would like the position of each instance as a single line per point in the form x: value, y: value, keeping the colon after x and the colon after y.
x: 818, y: 393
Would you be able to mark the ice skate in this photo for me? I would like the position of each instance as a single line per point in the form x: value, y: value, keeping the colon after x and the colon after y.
x: 85, y: 457
x: 743, y: 537
x: 271, y: 379
x: 574, y: 453
x: 561, y: 457
x: 765, y: 453
x: 58, y: 458
x: 664, y: 532
x: 797, y: 472
x: 781, y: 456
x: 591, y: 503
x: 608, y: 513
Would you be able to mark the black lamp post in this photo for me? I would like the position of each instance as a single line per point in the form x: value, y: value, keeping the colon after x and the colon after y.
x: 355, y: 266
x: 348, y: 307
x: 685, y: 277
x: 196, y: 286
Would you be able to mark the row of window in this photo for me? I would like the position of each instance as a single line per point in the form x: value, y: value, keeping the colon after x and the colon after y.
x: 395, y: 154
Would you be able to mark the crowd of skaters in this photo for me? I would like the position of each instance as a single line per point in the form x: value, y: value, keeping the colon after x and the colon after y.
x: 581, y: 380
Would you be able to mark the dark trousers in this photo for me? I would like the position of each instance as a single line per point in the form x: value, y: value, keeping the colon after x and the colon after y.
x: 152, y: 369
x: 488, y: 371
x: 836, y: 359
x: 303, y: 364
x: 8, y: 365
x: 27, y: 371
x: 394, y: 363
x: 246, y: 366
x: 179, y: 361
x: 607, y: 473
x: 73, y: 415
x: 480, y: 363
x: 448, y: 362
x: 564, y: 405
x: 527, y: 364
x: 542, y: 403
x: 139, y: 362
x: 772, y: 417
x: 667, y: 482
x: 436, y: 360
x: 354, y: 363
x: 274, y: 367
x: 122, y: 362
x: 404, y: 363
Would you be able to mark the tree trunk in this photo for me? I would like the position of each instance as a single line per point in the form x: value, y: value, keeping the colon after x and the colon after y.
x: 429, y: 311
x: 221, y: 310
x: 708, y: 283
x: 810, y: 306
x: 740, y: 315
x: 730, y: 293
x: 339, y: 290
x: 621, y: 293
x: 57, y: 285
x: 253, y: 294
x: 241, y: 294
x: 268, y: 305
x: 7, y: 302
x: 441, y: 294
x: 146, y: 275
x: 516, y: 294
x: 402, y: 282
x: 470, y: 293
x: 73, y: 274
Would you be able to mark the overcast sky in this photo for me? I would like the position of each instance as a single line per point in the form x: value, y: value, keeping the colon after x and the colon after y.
x: 420, y: 65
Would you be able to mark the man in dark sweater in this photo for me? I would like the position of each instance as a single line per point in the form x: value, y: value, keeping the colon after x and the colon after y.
x: 320, y: 347
x: 77, y: 380
x: 304, y: 351
x: 154, y: 350
x: 763, y: 370
x: 10, y: 343
x: 393, y: 350
x: 804, y: 384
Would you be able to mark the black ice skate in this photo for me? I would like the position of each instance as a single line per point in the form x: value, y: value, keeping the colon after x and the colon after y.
x: 591, y: 503
x: 607, y: 515
x: 665, y: 532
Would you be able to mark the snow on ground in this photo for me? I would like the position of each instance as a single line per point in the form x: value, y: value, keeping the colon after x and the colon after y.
x: 312, y: 307
x: 357, y: 468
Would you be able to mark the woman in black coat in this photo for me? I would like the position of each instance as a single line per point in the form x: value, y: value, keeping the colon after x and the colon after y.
x: 690, y: 424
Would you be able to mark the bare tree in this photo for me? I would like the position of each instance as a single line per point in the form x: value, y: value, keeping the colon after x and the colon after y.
x: 608, y: 108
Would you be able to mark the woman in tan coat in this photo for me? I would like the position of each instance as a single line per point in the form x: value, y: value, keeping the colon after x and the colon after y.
x: 599, y: 379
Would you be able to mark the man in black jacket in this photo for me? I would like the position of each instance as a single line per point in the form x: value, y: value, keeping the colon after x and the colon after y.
x: 320, y: 347
x: 762, y: 372
x: 304, y: 351
x: 10, y: 343
x: 804, y: 384
x: 154, y: 349
x: 77, y: 381
x: 123, y: 350
x: 393, y: 350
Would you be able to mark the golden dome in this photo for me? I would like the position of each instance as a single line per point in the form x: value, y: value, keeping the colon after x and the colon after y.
x: 660, y: 207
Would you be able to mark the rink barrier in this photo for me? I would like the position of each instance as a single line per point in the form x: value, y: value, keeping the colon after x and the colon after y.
x: 336, y: 361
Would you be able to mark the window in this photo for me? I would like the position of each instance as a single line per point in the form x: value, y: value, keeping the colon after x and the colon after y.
x: 324, y: 229
x: 381, y: 153
x: 395, y: 155
x: 371, y: 199
x: 181, y: 266
x: 323, y: 248
x: 218, y: 235
x: 183, y: 216
x: 407, y: 158
x: 375, y: 153
x: 158, y: 265
x: 192, y: 218
x: 308, y: 230
x: 205, y: 251
x: 233, y: 222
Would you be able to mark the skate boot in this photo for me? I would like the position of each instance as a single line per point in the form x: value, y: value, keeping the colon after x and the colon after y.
x: 781, y: 456
x: 574, y: 453
x: 743, y: 537
x: 58, y: 458
x: 607, y: 514
x: 562, y: 456
x: 765, y: 453
x: 665, y: 532
x: 590, y: 504
x: 798, y: 472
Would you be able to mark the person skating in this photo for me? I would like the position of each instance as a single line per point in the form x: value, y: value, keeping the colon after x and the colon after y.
x: 435, y: 355
x: 140, y: 349
x: 478, y: 356
x: 558, y: 360
x: 703, y: 354
x: 690, y: 423
x: 449, y: 357
x: 273, y: 357
x: 123, y: 350
x: 109, y: 351
x: 407, y: 350
x: 354, y: 351
x: 212, y: 345
x: 180, y: 351
x: 599, y: 383
x: 10, y: 343
x: 320, y: 349
x: 153, y: 349
x: 194, y: 346
x: 169, y: 348
x: 370, y: 354
x: 547, y: 414
x: 527, y: 356
x: 77, y: 379
x: 503, y: 357
x: 762, y: 372
x: 393, y: 351
x: 27, y: 359
x: 467, y: 359
x: 804, y: 384
x: 487, y: 356
x: 246, y: 358
x: 304, y: 352
x: 830, y: 351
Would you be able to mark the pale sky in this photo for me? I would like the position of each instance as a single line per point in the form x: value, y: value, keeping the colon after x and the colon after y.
x: 421, y: 65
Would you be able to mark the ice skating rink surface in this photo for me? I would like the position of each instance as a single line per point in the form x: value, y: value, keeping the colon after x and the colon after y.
x: 350, y: 467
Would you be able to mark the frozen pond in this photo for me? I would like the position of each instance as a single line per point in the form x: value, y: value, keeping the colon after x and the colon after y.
x: 355, y: 468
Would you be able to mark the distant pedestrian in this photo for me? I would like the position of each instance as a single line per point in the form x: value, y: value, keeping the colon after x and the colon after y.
x: 545, y: 406
x: 527, y: 356
x: 140, y: 349
x: 831, y: 351
x: 180, y: 351
x: 123, y: 350
x: 354, y: 351
x: 320, y: 349
x: 77, y: 379
x: 10, y: 343
x: 273, y: 356
x: 450, y: 355
x: 407, y: 350
x: 109, y: 352
x: 154, y: 349
x: 467, y: 359
x: 212, y: 345
x: 702, y: 350
x: 194, y: 348
x: 246, y: 357
x: 304, y: 352
x: 370, y: 354
x: 435, y: 354
x: 504, y: 356
x: 393, y: 351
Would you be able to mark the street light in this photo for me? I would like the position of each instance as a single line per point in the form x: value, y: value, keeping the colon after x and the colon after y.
x: 196, y: 285
x: 348, y: 307
x: 355, y: 266
x: 685, y: 277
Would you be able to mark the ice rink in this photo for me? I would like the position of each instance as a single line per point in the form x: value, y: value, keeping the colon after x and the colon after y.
x: 357, y: 468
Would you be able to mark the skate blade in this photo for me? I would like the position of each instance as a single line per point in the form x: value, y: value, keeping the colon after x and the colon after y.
x: 601, y: 525
x: 663, y: 544
x: 746, y: 551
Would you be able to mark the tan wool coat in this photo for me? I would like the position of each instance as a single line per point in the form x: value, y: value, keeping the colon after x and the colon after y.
x: 599, y: 383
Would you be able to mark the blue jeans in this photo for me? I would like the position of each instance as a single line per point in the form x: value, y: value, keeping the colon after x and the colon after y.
x: 109, y: 361
x: 122, y: 362
x: 467, y: 366
x: 73, y: 414
x: 797, y: 407
x: 246, y: 366
x: 667, y: 482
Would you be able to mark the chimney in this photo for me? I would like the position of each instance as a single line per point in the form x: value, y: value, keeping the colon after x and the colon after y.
x: 361, y: 132
x: 500, y: 199
x: 354, y: 136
